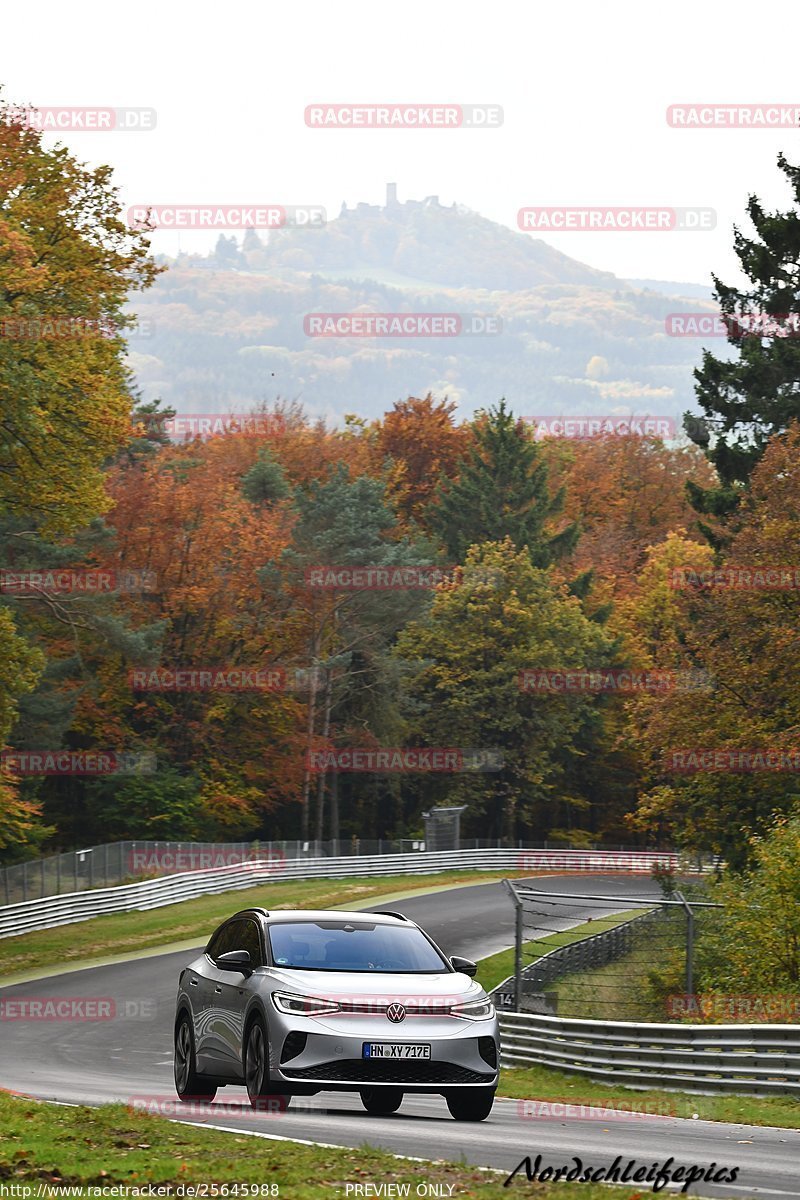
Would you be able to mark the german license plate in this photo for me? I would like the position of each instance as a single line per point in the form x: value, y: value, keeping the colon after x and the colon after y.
x: 397, y: 1050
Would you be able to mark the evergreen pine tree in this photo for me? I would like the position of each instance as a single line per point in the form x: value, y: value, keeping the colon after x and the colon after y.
x: 749, y: 399
x: 502, y: 491
x: 265, y: 482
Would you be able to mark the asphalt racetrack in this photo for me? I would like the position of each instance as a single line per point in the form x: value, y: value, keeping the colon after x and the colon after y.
x: 129, y: 1059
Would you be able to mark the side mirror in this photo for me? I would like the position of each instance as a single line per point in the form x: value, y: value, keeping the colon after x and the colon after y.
x: 465, y: 965
x: 235, y: 960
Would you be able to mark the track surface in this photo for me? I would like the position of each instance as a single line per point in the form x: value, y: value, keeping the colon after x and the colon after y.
x: 129, y: 1059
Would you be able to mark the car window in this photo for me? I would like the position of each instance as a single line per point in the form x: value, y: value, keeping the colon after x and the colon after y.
x: 352, y: 946
x: 225, y: 939
x: 250, y: 940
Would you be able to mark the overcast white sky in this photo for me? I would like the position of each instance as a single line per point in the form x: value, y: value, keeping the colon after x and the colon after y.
x: 584, y: 87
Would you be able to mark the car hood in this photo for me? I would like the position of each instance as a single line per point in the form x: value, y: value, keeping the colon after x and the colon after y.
x: 384, y: 985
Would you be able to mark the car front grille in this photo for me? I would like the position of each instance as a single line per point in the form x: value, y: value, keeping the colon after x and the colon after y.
x: 356, y: 1070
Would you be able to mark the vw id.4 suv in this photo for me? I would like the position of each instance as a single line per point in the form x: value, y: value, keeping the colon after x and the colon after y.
x: 297, y: 1002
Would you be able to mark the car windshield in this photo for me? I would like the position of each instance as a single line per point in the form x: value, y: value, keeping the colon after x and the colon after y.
x: 353, y: 946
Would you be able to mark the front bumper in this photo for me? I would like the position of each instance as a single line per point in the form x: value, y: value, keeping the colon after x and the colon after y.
x: 328, y: 1053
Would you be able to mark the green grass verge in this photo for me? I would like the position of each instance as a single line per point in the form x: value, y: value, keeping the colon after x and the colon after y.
x: 113, y: 1145
x: 547, y: 1083
x: 616, y: 992
x: 126, y: 933
x: 497, y: 967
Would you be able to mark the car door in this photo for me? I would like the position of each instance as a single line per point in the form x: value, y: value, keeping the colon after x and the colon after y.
x: 213, y: 1046
x: 235, y: 992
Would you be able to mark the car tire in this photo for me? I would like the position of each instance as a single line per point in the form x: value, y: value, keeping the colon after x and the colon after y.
x: 256, y: 1072
x: 188, y: 1084
x: 472, y: 1105
x: 381, y: 1102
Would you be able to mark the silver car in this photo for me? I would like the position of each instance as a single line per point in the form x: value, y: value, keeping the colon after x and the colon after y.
x: 296, y: 1002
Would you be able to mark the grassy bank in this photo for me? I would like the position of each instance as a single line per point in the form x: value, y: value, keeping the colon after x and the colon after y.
x: 545, y: 1083
x: 113, y: 1145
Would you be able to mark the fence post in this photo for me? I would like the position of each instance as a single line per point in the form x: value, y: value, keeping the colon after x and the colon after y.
x: 517, y: 944
x: 689, y: 943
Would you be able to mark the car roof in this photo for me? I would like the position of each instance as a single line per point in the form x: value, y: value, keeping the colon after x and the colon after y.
x: 284, y: 915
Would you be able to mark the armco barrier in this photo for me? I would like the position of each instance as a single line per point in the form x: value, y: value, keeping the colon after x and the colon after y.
x: 747, y: 1059
x: 154, y: 893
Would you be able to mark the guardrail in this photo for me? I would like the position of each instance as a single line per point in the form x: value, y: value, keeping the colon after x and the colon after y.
x: 154, y: 893
x: 703, y: 1059
x: 114, y: 863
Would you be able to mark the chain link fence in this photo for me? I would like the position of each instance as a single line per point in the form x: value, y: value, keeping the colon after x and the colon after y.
x: 638, y: 966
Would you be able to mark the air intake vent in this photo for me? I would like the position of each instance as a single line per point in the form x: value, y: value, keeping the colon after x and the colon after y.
x: 295, y: 1044
x: 487, y: 1048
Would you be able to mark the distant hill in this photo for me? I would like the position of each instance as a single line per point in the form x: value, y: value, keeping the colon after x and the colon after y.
x: 668, y: 287
x: 424, y: 240
x: 227, y: 330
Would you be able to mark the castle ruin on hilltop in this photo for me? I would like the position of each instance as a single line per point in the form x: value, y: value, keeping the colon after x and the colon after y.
x: 392, y: 205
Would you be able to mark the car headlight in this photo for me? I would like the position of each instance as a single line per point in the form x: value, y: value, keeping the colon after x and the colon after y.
x: 309, y: 1006
x: 474, y: 1010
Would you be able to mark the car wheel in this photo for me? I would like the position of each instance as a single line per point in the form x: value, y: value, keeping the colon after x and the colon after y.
x: 256, y: 1073
x: 381, y: 1101
x: 188, y: 1084
x: 473, y: 1105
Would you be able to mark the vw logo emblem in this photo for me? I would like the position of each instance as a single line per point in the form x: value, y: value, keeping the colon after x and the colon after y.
x: 396, y: 1012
